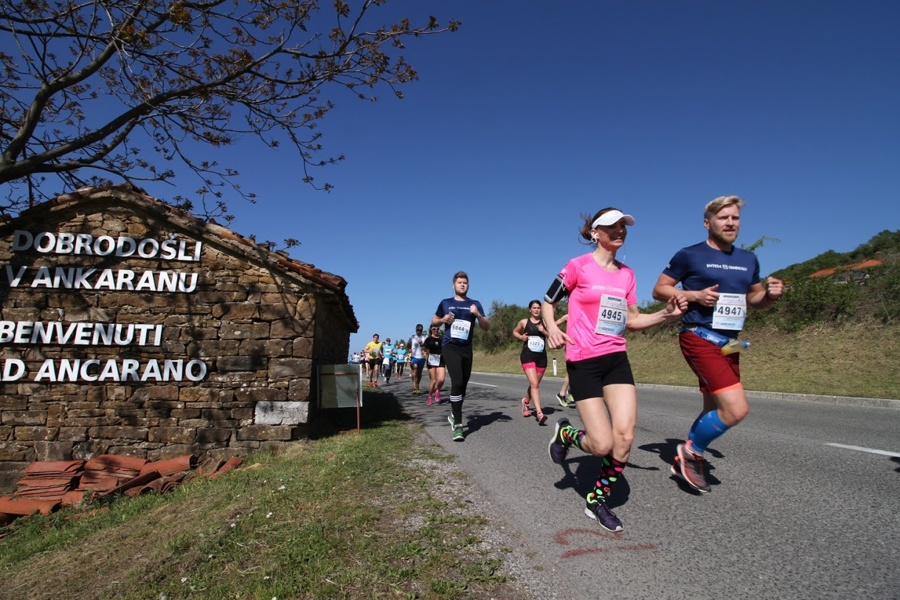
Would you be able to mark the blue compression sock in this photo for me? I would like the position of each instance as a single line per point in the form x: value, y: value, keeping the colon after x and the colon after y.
x: 694, y: 426
x: 707, y: 428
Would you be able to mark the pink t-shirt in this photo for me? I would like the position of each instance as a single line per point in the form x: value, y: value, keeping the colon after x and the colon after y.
x: 598, y: 307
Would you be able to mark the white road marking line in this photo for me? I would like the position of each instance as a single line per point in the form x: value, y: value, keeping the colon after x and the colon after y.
x: 869, y: 450
x: 481, y: 384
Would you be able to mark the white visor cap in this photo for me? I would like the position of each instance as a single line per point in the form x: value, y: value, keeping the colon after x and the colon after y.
x: 611, y: 218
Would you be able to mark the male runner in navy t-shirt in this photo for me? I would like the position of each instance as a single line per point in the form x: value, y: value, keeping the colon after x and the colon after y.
x: 720, y: 281
x: 458, y: 315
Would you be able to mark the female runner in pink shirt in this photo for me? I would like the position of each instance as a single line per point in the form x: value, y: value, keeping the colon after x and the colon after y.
x: 602, y: 305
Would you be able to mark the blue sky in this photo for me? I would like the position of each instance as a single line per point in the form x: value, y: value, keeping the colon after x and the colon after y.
x: 538, y: 111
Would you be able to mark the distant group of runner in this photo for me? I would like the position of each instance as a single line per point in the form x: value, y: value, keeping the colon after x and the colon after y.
x: 381, y: 360
x: 708, y: 285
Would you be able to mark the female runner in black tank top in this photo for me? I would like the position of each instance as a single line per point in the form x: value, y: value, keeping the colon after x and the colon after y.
x: 533, y: 334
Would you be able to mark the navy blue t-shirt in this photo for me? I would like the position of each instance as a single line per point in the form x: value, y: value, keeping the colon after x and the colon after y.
x: 700, y: 266
x: 460, y: 331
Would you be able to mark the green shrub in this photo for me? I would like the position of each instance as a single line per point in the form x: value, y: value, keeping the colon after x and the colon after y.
x: 816, y: 301
x: 503, y: 318
x: 880, y: 292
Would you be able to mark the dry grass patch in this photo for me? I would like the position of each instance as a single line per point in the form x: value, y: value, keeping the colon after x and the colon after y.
x: 853, y: 360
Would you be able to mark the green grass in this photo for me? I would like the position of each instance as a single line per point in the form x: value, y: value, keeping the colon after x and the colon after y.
x: 369, y: 515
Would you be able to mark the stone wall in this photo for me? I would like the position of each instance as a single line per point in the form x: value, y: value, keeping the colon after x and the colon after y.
x: 246, y: 327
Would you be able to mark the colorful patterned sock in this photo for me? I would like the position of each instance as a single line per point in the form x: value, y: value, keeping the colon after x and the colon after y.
x: 571, y: 436
x: 609, y: 474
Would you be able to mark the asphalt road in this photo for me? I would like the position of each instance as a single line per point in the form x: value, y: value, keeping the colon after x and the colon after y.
x: 805, y: 499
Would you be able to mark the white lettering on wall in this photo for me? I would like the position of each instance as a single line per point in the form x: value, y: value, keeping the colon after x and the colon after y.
x: 15, y: 278
x: 77, y: 369
x: 80, y: 278
x: 85, y: 244
x: 98, y: 334
x: 13, y: 369
x: 80, y: 334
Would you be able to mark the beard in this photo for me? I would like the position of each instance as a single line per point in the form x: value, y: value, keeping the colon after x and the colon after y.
x: 726, y: 238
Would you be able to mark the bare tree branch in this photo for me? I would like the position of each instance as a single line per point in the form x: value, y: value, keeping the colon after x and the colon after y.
x: 96, y: 90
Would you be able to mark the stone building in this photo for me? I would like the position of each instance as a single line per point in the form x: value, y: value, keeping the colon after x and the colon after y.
x: 129, y: 327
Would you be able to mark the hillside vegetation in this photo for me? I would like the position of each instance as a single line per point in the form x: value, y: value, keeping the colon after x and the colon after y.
x: 882, y: 245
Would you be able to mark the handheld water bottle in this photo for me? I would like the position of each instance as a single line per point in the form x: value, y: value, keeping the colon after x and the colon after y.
x: 735, y: 345
x: 725, y: 344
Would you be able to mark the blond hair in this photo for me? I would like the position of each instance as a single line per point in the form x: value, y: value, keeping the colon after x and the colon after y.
x: 713, y: 207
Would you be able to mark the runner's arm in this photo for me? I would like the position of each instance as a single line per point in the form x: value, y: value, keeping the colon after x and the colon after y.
x: 665, y: 289
x: 519, y: 331
x: 675, y: 307
x: 762, y: 297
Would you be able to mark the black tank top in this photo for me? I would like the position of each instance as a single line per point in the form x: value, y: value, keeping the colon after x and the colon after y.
x: 531, y: 329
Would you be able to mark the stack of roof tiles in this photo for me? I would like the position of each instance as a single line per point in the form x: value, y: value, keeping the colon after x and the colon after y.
x: 50, y: 484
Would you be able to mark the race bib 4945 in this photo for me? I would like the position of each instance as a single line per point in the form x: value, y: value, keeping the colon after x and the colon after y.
x: 612, y: 315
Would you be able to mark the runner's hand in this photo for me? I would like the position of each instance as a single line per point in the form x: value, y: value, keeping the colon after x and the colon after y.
x: 558, y: 339
x: 677, y: 305
x: 774, y: 288
x: 709, y: 296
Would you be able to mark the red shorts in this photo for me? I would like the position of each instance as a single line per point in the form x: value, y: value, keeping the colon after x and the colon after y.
x: 716, y: 373
x: 531, y: 365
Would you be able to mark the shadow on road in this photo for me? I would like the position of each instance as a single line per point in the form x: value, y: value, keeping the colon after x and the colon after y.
x: 587, y: 468
x: 666, y: 451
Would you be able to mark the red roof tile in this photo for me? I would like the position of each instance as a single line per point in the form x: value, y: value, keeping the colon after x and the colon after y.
x: 23, y: 507
x: 48, y: 485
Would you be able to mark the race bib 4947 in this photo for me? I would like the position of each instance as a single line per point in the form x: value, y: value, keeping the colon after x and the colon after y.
x: 730, y: 312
